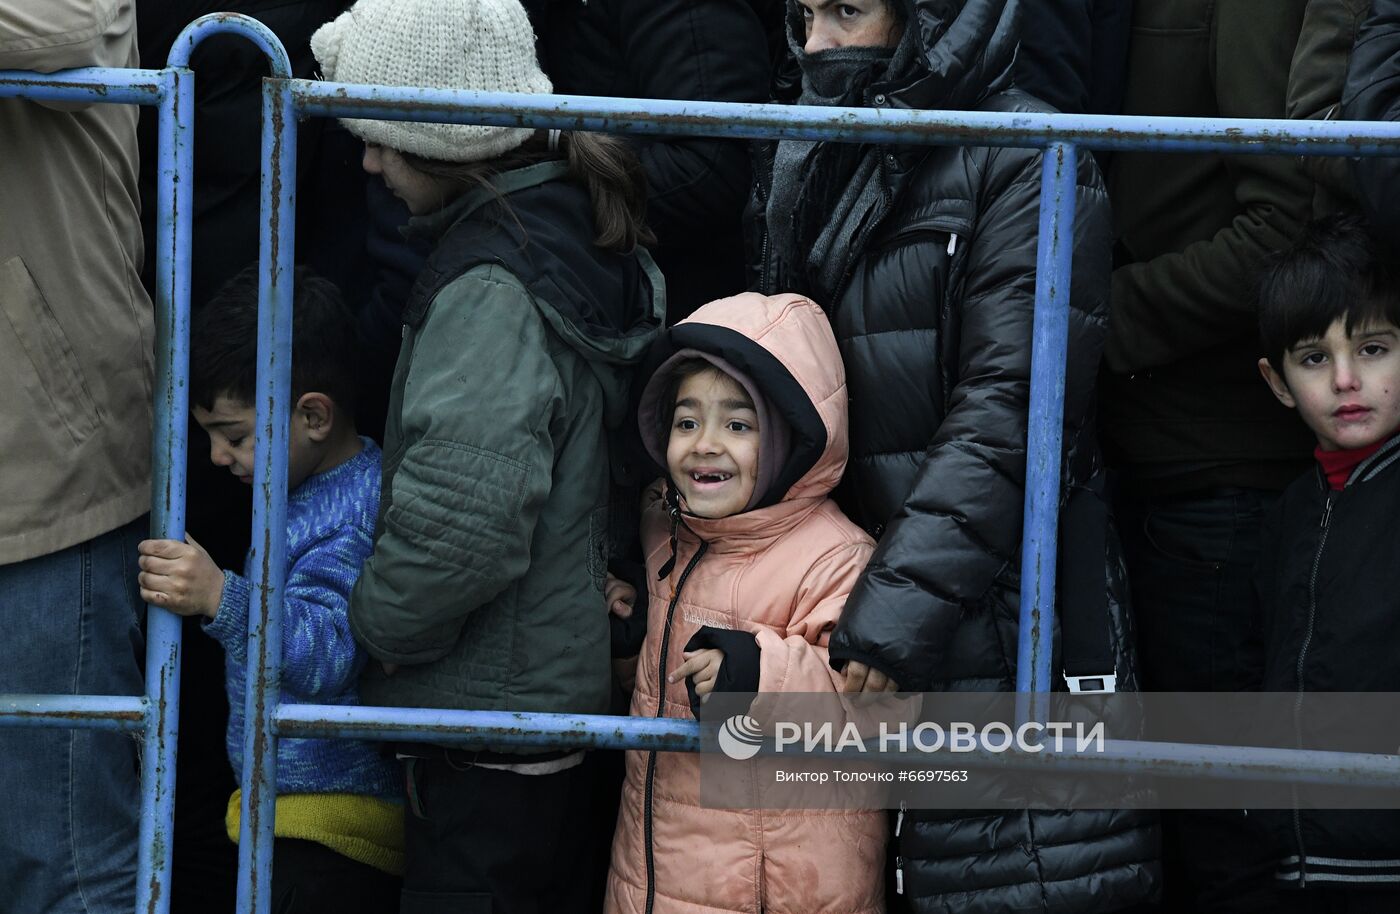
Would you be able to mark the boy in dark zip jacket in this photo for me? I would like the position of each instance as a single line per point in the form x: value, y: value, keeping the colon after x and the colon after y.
x: 1330, y: 567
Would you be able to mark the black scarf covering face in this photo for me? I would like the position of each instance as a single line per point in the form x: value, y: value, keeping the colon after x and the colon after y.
x: 819, y: 187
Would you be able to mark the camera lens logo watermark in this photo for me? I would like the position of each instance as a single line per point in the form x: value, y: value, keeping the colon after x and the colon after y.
x: 740, y: 737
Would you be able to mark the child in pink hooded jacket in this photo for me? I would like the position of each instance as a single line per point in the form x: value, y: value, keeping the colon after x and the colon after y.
x: 748, y: 565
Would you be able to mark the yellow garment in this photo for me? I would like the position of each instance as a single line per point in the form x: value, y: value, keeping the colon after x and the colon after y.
x: 368, y: 830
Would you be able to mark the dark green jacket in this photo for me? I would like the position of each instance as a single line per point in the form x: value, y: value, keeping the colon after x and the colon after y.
x: 1315, y: 84
x: 486, y: 581
x: 1183, y: 403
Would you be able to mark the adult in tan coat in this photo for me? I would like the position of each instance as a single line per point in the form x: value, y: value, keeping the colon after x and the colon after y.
x: 761, y: 583
x: 76, y: 350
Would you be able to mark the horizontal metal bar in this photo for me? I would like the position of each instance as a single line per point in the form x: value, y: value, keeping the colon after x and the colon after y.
x: 1235, y: 763
x: 496, y: 728
x: 541, y: 731
x: 88, y: 84
x: 732, y: 120
x: 870, y: 125
x: 75, y: 712
x: 1179, y: 760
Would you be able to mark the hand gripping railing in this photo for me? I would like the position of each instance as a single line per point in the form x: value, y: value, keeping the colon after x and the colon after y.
x: 284, y: 101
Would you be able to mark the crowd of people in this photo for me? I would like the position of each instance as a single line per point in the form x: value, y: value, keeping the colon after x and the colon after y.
x: 586, y: 424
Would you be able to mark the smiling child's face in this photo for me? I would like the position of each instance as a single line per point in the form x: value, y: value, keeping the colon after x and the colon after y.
x: 712, y: 454
x: 1345, y: 387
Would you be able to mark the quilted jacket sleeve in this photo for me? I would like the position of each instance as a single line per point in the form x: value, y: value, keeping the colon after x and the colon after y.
x: 796, y: 660
x: 959, y: 530
x: 479, y: 397
x: 1373, y: 94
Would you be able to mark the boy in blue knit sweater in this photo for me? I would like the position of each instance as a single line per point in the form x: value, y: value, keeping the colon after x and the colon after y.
x: 339, y: 822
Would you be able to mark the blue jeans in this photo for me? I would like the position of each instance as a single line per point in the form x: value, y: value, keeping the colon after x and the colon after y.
x: 69, y: 799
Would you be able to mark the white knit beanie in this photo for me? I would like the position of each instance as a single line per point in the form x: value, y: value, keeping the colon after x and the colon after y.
x: 486, y: 45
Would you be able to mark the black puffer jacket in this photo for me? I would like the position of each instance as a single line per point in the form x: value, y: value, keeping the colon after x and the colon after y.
x: 934, y: 322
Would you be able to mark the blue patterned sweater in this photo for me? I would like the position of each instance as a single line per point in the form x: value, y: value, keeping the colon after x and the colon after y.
x: 330, y: 533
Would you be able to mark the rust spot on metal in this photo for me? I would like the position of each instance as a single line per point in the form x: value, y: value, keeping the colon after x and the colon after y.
x: 134, y: 717
x: 155, y: 892
x: 260, y: 690
x: 96, y: 89
x: 277, y: 129
x: 579, y: 739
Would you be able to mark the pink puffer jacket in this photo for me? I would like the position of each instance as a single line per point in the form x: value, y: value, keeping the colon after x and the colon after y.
x: 782, y: 572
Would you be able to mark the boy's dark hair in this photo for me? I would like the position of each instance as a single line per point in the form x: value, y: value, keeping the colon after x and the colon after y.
x: 224, y: 342
x: 1335, y: 270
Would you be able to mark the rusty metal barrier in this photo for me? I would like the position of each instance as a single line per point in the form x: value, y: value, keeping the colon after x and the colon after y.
x: 171, y: 90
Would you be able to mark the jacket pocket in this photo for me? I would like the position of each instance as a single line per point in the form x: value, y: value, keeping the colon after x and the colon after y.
x: 57, y: 379
x: 946, y: 229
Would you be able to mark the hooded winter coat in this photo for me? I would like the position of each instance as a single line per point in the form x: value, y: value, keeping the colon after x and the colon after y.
x: 934, y: 320
x: 782, y: 572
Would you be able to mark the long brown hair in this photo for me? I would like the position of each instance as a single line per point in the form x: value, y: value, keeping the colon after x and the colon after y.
x: 603, y: 164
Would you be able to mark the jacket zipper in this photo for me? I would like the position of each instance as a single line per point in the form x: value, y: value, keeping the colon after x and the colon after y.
x: 1302, y: 658
x: 765, y: 270
x: 765, y: 278
x: 956, y: 231
x: 898, y: 860
x: 660, y: 711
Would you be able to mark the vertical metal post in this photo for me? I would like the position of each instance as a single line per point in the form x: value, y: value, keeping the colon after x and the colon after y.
x: 273, y: 386
x: 1047, y: 408
x: 274, y: 380
x: 169, y: 449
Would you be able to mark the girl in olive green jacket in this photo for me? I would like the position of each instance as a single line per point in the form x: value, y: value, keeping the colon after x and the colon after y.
x: 485, y: 587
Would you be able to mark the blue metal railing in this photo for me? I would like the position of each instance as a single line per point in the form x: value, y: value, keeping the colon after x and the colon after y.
x: 171, y: 90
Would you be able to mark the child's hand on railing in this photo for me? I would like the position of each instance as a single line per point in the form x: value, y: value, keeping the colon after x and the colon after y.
x: 180, y: 577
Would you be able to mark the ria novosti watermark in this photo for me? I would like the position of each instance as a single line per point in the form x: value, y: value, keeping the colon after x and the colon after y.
x: 983, y: 750
x: 741, y: 737
x: 931, y: 736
